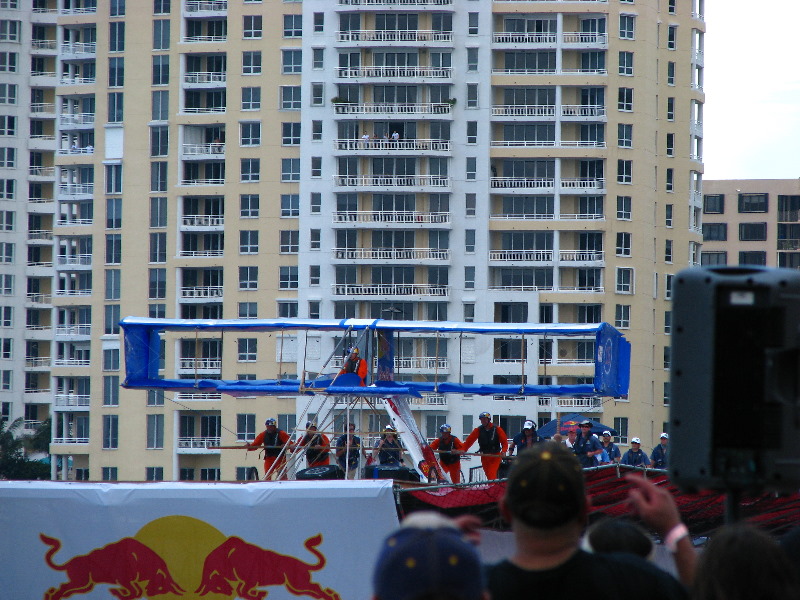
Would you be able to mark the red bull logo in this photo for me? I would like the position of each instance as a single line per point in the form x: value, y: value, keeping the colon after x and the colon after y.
x: 182, y: 557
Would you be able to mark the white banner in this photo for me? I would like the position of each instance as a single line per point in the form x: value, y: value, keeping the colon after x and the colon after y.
x: 210, y: 541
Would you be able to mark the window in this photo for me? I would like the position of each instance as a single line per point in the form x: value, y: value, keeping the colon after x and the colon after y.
x: 110, y: 432
x: 250, y: 169
x: 113, y: 248
x: 624, y: 208
x: 9, y: 62
x: 624, y: 171
x: 6, y: 252
x: 668, y: 210
x: 471, y: 202
x: 708, y: 259
x: 316, y: 166
x: 290, y: 97
x: 751, y: 232
x: 622, y: 316
x: 317, y: 94
x: 6, y: 378
x: 627, y: 27
x: 252, y: 27
x: 715, y: 232
x: 472, y: 59
x: 668, y: 251
x: 110, y: 390
x: 621, y: 425
x: 623, y: 244
x: 469, y: 312
x: 472, y: 168
x: 624, y: 135
x: 753, y: 203
x: 670, y: 109
x: 290, y: 134
x: 472, y: 28
x: 116, y: 36
x: 672, y: 37
x: 469, y: 278
x: 8, y: 125
x: 247, y: 349
x: 714, y: 204
x: 157, y: 311
x: 6, y: 285
x: 109, y: 473
x: 6, y: 348
x: 287, y: 309
x: 319, y: 22
x: 9, y: 31
x: 670, y: 144
x: 290, y: 169
x: 117, y: 8
x: 8, y: 93
x: 316, y: 203
x: 291, y: 61
x: 251, y: 98
x: 155, y: 432
x: 667, y: 356
x: 7, y: 316
x: 288, y: 278
x: 116, y: 71
x: 248, y: 242
x: 752, y: 257
x: 158, y: 177
x: 154, y: 473
x: 317, y: 58
x: 7, y: 218
x: 668, y: 279
x: 248, y: 278
x: 161, y: 34
x: 161, y: 7
x: 669, y: 183
x: 472, y: 132
x: 626, y: 63
x: 670, y: 73
x: 248, y: 310
x: 624, y: 283
x: 469, y: 241
x: 316, y: 131
x: 111, y: 359
x: 157, y: 284
x: 113, y: 284
x: 249, y: 206
x: 292, y: 26
x: 250, y: 133
x: 8, y: 189
x: 625, y: 99
x: 115, y: 106
x: 290, y: 205
x: 251, y: 62
x: 158, y: 211
x: 8, y: 157
x: 313, y: 309
x: 160, y: 105
x: 159, y: 143
x: 313, y: 274
x: 289, y: 242
x: 472, y: 95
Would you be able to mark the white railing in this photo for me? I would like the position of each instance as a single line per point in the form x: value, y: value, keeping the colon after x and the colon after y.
x: 391, y: 180
x: 68, y: 151
x: 40, y: 234
x: 204, y: 149
x: 522, y: 182
x: 46, y: 264
x: 549, y: 72
x: 390, y: 254
x: 73, y: 399
x: 202, y: 292
x: 559, y: 1
x: 38, y: 298
x: 37, y: 361
x: 70, y: 440
x: 204, y: 110
x: 42, y: 136
x: 79, y: 10
x: 40, y: 200
x: 61, y: 293
x: 377, y: 35
x: 201, y: 364
x: 394, y: 3
x: 521, y: 255
x: 72, y: 362
x: 390, y: 289
x: 399, y: 71
x: 75, y: 80
x: 43, y: 107
x: 75, y: 259
x: 79, y: 47
x: 200, y: 253
x: 44, y: 44
x: 195, y: 182
x: 580, y: 37
x: 389, y: 144
x: 205, y: 77
x: 583, y: 110
x: 201, y: 443
x: 38, y: 327
x: 547, y: 217
x: 567, y: 361
x: 191, y: 397
x: 583, y: 183
x: 76, y: 189
x: 510, y: 37
x: 370, y: 216
x: 76, y: 119
x: 546, y: 288
x: 396, y: 108
x: 202, y: 220
x: 524, y: 143
x: 191, y: 39
x: 581, y: 255
x: 74, y: 330
x: 407, y: 362
x: 72, y: 221
x: 582, y: 144
x: 524, y: 110
x: 206, y: 5
x: 42, y: 171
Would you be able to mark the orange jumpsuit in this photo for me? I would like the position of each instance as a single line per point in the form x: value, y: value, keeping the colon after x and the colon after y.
x: 491, y: 464
x: 454, y: 468
x: 272, y: 464
x: 317, y: 457
x: 357, y: 366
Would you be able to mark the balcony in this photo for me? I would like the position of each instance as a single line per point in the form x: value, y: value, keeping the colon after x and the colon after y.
x: 77, y: 80
x: 382, y: 145
x: 407, y: 363
x: 198, y: 7
x: 390, y: 289
x: 397, y: 35
x: 190, y: 397
x: 201, y: 253
x: 74, y: 330
x: 75, y: 151
x: 547, y: 216
x: 393, y: 108
x: 524, y: 110
x: 205, y: 78
x: 213, y: 150
x: 391, y: 181
x: 210, y: 292
x: 567, y: 361
x: 201, y: 182
x: 203, y: 110
x: 80, y: 10
x: 72, y: 400
x: 202, y: 222
x: 393, y: 72
x: 74, y: 260
x: 582, y: 256
x: 582, y: 184
x: 76, y: 189
x: 392, y: 217
x: 402, y: 254
x: 204, y: 39
x: 44, y: 45
x: 395, y: 3
x: 37, y: 298
x: 197, y: 445
x: 73, y: 119
x: 559, y: 1
x: 71, y: 362
x: 35, y: 171
x: 37, y: 362
x: 43, y: 109
x: 69, y: 49
x: 570, y: 404
x: 547, y: 288
x: 547, y: 144
x: 71, y: 293
x: 200, y: 364
x: 40, y: 235
x: 70, y: 221
x: 521, y: 255
x: 549, y: 72
x: 70, y: 441
x: 527, y: 183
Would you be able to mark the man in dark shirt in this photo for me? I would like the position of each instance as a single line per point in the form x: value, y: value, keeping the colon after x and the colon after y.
x: 660, y: 455
x: 545, y: 502
x: 587, y: 446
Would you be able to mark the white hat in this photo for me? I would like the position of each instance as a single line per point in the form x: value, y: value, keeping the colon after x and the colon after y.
x: 636, y: 441
x: 665, y: 436
x: 528, y: 425
x: 608, y: 433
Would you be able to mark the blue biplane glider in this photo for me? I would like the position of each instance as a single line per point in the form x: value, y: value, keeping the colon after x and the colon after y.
x: 143, y: 344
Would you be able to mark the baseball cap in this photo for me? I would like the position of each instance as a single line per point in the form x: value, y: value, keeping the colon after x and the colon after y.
x: 270, y: 421
x: 427, y: 557
x: 608, y: 433
x: 310, y: 424
x: 585, y: 423
x: 636, y: 441
x: 528, y: 425
x: 665, y: 436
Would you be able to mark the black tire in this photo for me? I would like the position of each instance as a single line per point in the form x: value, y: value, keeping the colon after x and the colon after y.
x: 320, y: 473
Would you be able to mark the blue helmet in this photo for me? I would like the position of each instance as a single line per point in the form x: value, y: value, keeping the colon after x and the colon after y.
x: 270, y: 421
x: 445, y: 428
x: 485, y: 414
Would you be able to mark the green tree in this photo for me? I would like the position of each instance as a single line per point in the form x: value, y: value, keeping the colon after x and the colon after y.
x: 13, y: 462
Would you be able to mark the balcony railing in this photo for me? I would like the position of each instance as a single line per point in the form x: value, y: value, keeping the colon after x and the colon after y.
x: 72, y: 151
x: 37, y: 361
x: 201, y: 364
x: 215, y: 291
x: 78, y: 48
x: 77, y: 80
x: 583, y: 183
x: 522, y: 182
x: 70, y: 440
x: 389, y: 144
x: 580, y: 37
x: 373, y: 35
x: 549, y: 72
x: 73, y: 221
x: 205, y: 77
x: 521, y: 255
x: 190, y: 397
x: 44, y: 44
x: 84, y: 260
x: 390, y: 289
x: 420, y: 363
x: 194, y: 6
x: 202, y: 220
x: 37, y: 298
x: 583, y: 110
x: 42, y: 171
x: 40, y: 234
x: 73, y: 399
x: 81, y: 10
x: 212, y: 149
x: 393, y: 108
x: 581, y: 255
x: 72, y: 362
x: 193, y: 39
x: 524, y: 110
x: 395, y: 3
x: 74, y: 330
x: 43, y: 73
x: 76, y: 189
x: 40, y: 263
x: 547, y: 288
x: 547, y: 144
x: 200, y: 253
x: 78, y: 292
x: 391, y: 180
x: 200, y: 443
x: 567, y: 361
x: 390, y: 254
x: 372, y: 216
x: 40, y: 108
x: 570, y: 1
x: 203, y: 110
x: 387, y: 72
x: 76, y: 119
x: 195, y: 182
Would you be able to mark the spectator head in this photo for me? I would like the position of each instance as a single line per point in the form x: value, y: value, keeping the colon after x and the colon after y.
x: 528, y: 426
x: 545, y: 489
x: 606, y: 436
x: 428, y: 558
x: 618, y: 535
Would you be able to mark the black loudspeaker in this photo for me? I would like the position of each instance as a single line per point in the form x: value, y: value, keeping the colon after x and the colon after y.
x: 398, y: 473
x: 321, y: 472
x: 735, y: 377
x: 504, y: 469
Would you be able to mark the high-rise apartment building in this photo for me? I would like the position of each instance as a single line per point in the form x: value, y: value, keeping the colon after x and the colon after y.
x: 420, y: 159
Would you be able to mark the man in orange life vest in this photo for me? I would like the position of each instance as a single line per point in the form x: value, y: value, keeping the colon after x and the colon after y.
x: 355, y: 364
x: 450, y: 461
x: 273, y: 440
x: 317, y: 446
x: 492, y: 440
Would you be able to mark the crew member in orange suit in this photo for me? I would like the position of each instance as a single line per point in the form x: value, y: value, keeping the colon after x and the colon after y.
x: 355, y: 364
x: 492, y: 440
x: 448, y: 445
x: 273, y: 440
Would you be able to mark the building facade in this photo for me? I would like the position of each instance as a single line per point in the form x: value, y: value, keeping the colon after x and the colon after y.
x: 428, y: 159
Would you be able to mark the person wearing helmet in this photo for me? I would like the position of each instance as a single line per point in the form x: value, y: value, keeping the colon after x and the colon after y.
x: 525, y: 439
x: 355, y: 364
x: 317, y: 446
x: 349, y: 451
x: 388, y: 449
x: 272, y: 440
x: 493, y: 444
x: 448, y: 445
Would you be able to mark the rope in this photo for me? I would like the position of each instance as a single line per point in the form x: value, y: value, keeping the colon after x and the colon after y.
x: 436, y: 367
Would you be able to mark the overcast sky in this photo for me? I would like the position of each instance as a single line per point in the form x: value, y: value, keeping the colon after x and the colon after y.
x: 752, y: 84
